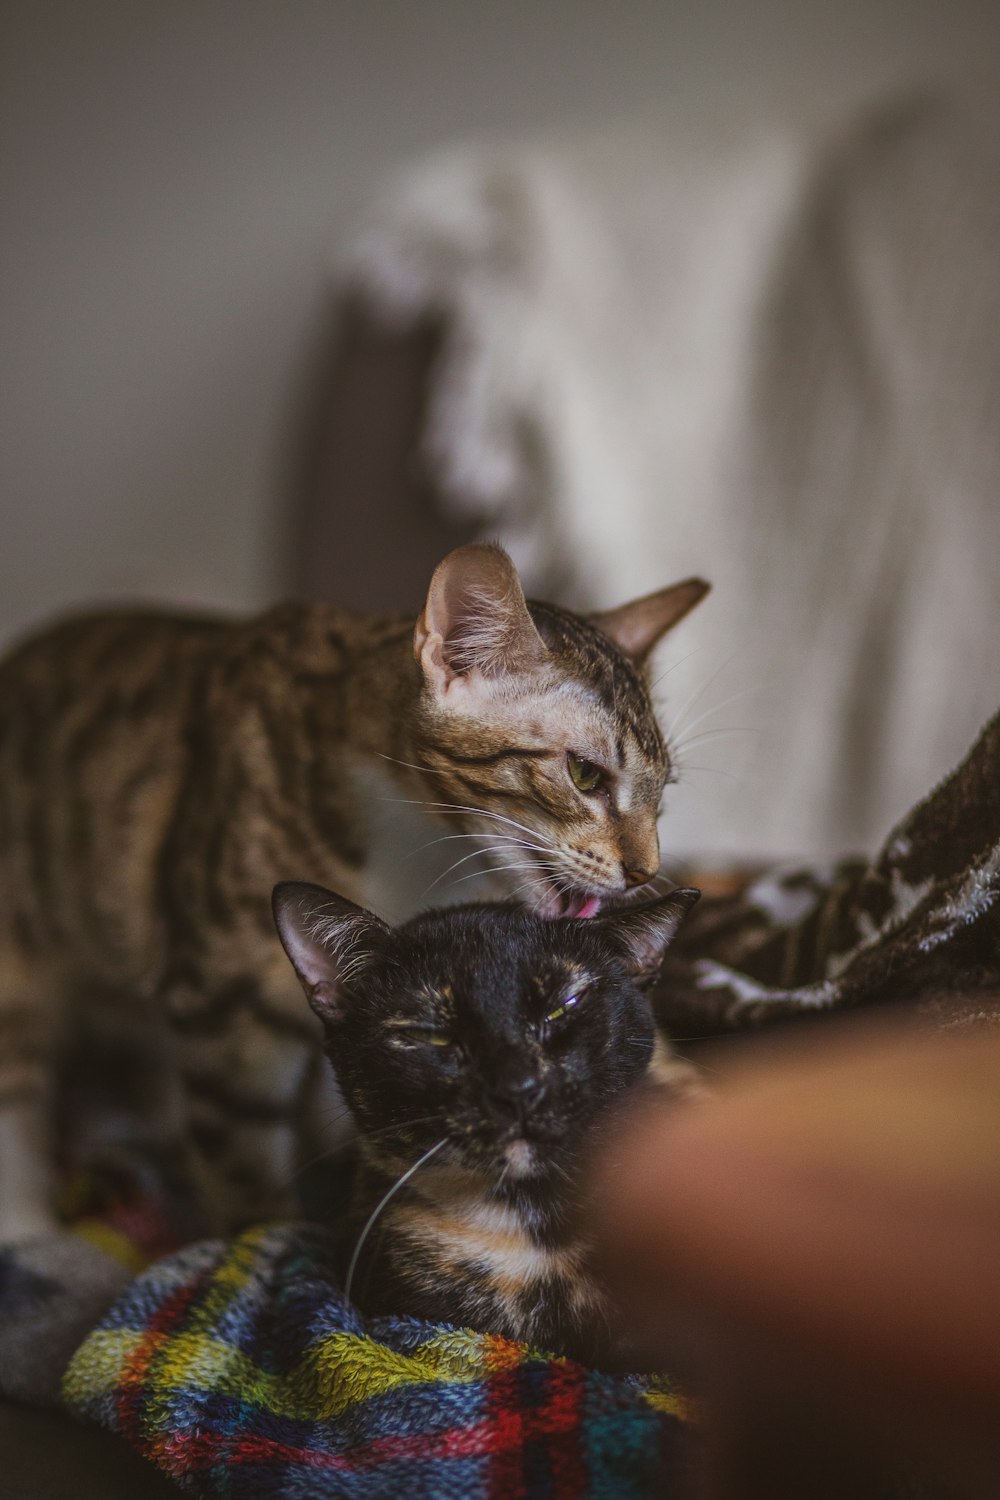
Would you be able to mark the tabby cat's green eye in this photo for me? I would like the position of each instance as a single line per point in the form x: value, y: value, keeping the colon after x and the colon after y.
x: 564, y: 1009
x: 586, y: 777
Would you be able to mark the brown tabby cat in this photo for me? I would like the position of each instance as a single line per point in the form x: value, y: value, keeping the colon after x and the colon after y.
x: 159, y: 773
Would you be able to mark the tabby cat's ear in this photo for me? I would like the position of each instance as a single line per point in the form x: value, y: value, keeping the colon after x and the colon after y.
x: 327, y: 939
x: 475, y: 619
x: 635, y: 628
x: 641, y: 934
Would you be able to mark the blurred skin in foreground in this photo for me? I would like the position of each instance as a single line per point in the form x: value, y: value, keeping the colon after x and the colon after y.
x: 819, y: 1245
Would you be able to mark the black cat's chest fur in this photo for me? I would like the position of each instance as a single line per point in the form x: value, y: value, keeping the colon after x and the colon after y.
x: 499, y: 1266
x: 482, y: 1052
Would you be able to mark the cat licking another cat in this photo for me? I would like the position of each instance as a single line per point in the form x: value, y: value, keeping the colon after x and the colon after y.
x: 159, y: 773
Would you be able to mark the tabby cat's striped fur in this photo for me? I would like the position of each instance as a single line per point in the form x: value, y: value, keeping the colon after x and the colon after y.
x: 158, y: 774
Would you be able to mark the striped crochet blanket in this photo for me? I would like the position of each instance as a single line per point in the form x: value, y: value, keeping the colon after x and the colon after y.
x: 239, y: 1369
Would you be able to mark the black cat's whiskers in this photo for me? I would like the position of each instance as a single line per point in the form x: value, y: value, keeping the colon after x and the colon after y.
x: 370, y: 1135
x: 335, y: 1114
x: 705, y: 1036
x: 382, y: 1203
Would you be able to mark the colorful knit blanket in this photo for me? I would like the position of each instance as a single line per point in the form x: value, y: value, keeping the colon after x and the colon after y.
x: 240, y: 1370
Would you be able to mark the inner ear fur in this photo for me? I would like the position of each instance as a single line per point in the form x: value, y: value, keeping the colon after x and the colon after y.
x: 475, y: 618
x: 327, y: 938
x: 636, y: 627
x: 642, y: 934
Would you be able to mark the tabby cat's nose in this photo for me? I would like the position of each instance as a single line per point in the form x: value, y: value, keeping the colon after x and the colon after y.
x: 636, y: 877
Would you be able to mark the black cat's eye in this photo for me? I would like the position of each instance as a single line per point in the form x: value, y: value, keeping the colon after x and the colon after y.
x: 413, y: 1034
x: 564, y: 1009
x: 585, y: 776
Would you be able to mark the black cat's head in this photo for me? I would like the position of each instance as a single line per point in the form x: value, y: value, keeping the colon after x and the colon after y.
x: 487, y: 1028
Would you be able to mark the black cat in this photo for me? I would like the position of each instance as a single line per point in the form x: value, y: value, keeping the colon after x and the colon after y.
x: 479, y: 1049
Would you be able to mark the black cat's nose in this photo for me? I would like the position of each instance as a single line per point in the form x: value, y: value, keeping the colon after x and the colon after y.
x: 636, y: 877
x: 517, y: 1086
x: 528, y: 1086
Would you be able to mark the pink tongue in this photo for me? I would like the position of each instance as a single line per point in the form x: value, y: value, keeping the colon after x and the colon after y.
x: 590, y: 908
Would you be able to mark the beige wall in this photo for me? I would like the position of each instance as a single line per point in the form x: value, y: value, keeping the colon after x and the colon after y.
x: 175, y: 173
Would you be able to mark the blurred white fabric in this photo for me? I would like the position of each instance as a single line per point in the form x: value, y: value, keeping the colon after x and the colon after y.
x: 769, y: 355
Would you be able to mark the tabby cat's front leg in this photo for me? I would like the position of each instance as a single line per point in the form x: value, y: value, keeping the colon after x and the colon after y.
x: 244, y: 1061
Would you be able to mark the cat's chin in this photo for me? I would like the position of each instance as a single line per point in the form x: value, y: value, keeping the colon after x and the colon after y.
x: 520, y: 1158
x: 560, y: 904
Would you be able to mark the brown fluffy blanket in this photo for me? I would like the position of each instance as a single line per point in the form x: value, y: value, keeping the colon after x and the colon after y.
x: 921, y: 922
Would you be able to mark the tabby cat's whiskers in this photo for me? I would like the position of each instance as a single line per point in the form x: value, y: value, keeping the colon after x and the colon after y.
x: 494, y: 848
x: 410, y: 765
x: 447, y: 838
x: 716, y: 770
x: 714, y: 709
x: 555, y: 865
x: 539, y: 865
x: 678, y: 723
x: 478, y: 812
x: 373, y: 1216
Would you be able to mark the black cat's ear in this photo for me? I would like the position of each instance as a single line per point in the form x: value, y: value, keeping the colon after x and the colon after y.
x: 475, y: 619
x: 641, y: 934
x: 635, y: 628
x: 327, y: 938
